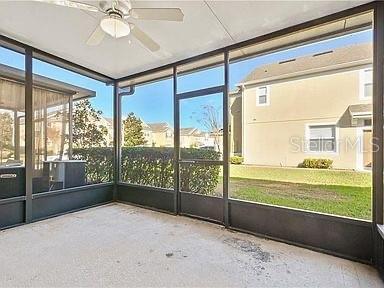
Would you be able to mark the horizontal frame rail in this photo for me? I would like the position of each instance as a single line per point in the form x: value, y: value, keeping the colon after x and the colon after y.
x: 201, y: 162
x: 11, y: 200
x: 70, y: 190
x: 201, y: 92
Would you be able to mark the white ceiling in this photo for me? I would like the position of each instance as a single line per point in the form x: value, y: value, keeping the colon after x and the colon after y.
x: 207, y: 25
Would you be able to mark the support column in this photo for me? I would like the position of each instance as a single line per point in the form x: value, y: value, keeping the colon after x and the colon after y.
x: 16, y: 135
x: 29, y: 134
x: 226, y: 148
x: 70, y: 127
x: 377, y: 141
x: 45, y: 132
x: 176, y: 144
x: 116, y: 138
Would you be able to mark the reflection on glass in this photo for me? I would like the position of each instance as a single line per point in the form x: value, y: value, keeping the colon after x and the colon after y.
x: 201, y: 125
x: 12, y: 113
x: 301, y: 129
x: 73, y: 130
x: 201, y: 179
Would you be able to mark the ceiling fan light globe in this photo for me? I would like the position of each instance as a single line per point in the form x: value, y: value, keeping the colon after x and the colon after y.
x: 115, y: 27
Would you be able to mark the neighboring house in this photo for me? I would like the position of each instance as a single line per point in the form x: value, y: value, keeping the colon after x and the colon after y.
x: 147, y: 133
x: 317, y: 106
x: 161, y: 134
x: 191, y: 138
x: 194, y: 138
x: 157, y: 134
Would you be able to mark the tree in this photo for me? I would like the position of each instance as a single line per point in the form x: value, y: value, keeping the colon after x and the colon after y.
x: 133, y: 131
x: 87, y: 130
x: 212, y: 121
x: 6, y: 132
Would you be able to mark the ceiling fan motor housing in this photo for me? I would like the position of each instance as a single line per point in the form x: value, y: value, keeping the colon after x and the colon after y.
x: 120, y: 7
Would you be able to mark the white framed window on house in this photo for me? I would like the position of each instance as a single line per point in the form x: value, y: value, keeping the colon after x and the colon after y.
x: 169, y: 134
x: 321, y: 138
x: 262, y: 96
x: 366, y: 86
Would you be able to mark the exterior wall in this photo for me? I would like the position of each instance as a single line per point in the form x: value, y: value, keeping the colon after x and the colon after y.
x: 272, y: 133
x: 148, y: 137
x: 160, y: 139
x: 189, y: 141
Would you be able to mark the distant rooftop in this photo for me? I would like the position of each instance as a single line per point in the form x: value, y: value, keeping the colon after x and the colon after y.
x: 354, y: 55
x: 159, y: 127
x: 188, y: 131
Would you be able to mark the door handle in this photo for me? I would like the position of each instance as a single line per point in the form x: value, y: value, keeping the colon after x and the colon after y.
x: 188, y: 161
x: 8, y: 176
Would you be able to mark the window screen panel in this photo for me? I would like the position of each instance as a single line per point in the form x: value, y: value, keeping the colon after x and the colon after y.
x: 322, y: 132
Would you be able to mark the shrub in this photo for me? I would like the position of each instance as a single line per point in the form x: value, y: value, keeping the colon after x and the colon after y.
x: 237, y: 160
x: 152, y: 166
x: 99, y: 166
x: 316, y: 163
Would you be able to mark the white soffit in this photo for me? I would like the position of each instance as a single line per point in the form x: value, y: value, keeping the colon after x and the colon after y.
x: 207, y: 25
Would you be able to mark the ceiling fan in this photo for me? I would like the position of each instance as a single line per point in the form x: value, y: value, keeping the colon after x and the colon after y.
x: 115, y: 21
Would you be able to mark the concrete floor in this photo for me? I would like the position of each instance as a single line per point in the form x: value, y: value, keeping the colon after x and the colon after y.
x: 120, y: 245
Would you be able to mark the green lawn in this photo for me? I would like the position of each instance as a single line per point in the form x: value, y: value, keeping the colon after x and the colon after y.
x: 345, y: 193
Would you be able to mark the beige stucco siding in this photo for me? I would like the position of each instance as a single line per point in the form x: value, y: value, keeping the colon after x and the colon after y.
x: 160, y: 139
x: 270, y: 131
x: 282, y: 144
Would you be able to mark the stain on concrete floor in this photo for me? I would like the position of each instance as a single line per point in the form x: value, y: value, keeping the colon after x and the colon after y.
x: 249, y: 247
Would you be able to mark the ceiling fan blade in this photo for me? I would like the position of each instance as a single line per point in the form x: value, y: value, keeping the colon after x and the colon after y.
x: 72, y: 4
x: 96, y: 37
x: 147, y: 41
x: 165, y: 14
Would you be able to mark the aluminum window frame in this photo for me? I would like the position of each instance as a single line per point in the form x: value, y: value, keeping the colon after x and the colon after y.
x: 308, y: 138
x: 267, y: 96
x: 363, y: 83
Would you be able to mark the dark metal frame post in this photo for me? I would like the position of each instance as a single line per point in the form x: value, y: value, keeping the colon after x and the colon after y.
x: 176, y: 143
x: 226, y: 149
x: 16, y: 134
x: 70, y: 127
x: 377, y: 167
x: 45, y: 132
x: 116, y: 137
x: 29, y: 134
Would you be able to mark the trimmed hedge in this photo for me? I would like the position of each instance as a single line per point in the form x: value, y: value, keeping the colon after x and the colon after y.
x: 152, y: 166
x: 99, y: 166
x: 316, y: 163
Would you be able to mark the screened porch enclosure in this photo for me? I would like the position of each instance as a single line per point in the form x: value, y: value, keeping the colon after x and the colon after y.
x: 279, y: 136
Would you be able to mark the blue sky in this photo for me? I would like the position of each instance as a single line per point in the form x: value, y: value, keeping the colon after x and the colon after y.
x: 154, y: 102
